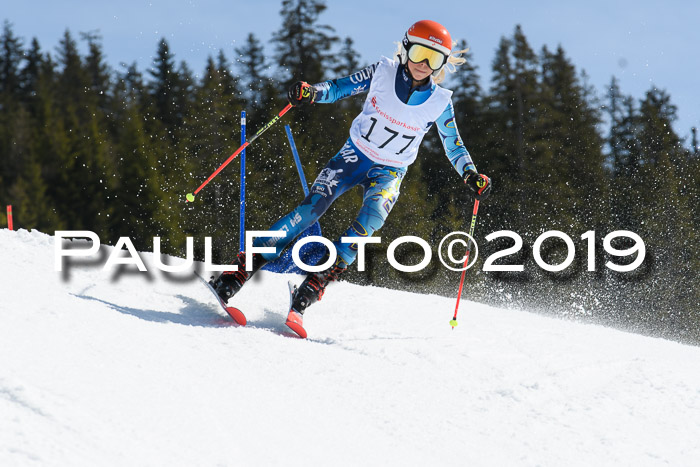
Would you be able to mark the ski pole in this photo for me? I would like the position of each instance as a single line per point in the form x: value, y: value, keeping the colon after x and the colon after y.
x: 453, y: 322
x: 190, y: 196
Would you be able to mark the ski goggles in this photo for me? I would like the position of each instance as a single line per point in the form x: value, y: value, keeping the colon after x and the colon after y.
x: 418, y: 53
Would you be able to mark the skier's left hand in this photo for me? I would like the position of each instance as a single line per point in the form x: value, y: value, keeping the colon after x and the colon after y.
x: 478, y: 184
x: 301, y: 92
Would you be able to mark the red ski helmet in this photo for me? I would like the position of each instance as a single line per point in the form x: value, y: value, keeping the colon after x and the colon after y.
x: 427, y: 40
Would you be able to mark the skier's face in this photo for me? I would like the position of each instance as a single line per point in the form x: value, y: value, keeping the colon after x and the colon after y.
x: 419, y: 71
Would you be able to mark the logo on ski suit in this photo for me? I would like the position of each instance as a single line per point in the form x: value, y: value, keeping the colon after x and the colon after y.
x: 326, y: 181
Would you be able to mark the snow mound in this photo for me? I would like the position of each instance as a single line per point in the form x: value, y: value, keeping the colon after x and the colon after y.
x: 107, y: 368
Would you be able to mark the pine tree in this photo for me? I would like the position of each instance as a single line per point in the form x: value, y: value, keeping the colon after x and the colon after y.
x: 73, y: 78
x: 513, y: 108
x: 251, y: 63
x: 303, y: 45
x: 169, y: 126
x: 25, y: 185
x: 81, y: 190
x: 164, y: 90
x: 30, y: 73
x: 229, y: 83
x: 303, y: 52
x: 649, y: 182
x: 99, y: 73
x: 572, y: 159
x: 468, y: 98
x: 615, y: 111
x: 136, y: 196
x: 10, y: 61
x: 49, y: 140
x: 33, y: 207
x: 624, y: 155
x: 693, y: 191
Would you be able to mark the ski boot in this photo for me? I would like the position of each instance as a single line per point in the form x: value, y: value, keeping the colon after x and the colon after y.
x: 230, y: 282
x: 310, y: 291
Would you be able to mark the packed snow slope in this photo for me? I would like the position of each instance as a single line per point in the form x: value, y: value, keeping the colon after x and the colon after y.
x: 100, y: 368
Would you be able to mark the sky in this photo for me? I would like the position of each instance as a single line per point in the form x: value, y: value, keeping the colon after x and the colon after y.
x: 642, y: 43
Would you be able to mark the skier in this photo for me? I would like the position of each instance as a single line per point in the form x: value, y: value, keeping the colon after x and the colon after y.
x: 403, y: 102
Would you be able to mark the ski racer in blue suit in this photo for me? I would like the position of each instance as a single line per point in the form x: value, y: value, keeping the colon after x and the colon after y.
x: 404, y: 101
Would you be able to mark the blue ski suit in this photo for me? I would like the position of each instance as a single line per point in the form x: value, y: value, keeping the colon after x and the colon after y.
x: 350, y: 167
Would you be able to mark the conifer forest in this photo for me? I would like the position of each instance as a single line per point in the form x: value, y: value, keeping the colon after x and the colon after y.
x: 88, y: 146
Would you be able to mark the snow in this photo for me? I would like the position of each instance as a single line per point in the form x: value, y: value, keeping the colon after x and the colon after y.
x: 99, y: 368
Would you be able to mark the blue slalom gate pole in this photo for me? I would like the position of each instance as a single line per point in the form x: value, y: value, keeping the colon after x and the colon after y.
x: 302, y: 177
x: 315, y: 228
x: 310, y: 253
x: 241, y: 237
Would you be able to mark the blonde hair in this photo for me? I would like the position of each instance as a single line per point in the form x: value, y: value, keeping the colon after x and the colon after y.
x: 453, y: 61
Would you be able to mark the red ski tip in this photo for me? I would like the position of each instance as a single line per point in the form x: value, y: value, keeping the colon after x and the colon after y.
x: 237, y: 315
x: 295, y: 322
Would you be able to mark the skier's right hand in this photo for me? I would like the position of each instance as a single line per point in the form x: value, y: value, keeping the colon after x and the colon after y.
x: 301, y: 92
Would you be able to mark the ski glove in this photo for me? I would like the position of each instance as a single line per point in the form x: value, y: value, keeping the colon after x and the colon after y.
x: 301, y: 92
x: 478, y: 184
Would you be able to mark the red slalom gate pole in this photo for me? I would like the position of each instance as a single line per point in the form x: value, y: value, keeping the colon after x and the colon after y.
x: 190, y: 196
x: 9, y: 216
x: 453, y: 322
